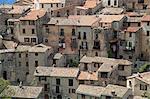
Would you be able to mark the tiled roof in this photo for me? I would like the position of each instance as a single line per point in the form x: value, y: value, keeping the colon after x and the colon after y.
x: 146, y: 18
x: 9, y: 44
x: 49, y: 1
x: 99, y: 91
x: 39, y: 48
x: 120, y: 91
x: 18, y: 9
x: 24, y: 92
x: 132, y: 29
x: 56, y: 71
x: 86, y: 59
x: 34, y: 15
x: 145, y: 77
x: 90, y: 90
x: 107, y: 67
x: 22, y: 48
x: 87, y: 76
x: 90, y: 3
x: 111, y: 10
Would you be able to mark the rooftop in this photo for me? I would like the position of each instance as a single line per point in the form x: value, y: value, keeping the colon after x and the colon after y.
x: 87, y: 76
x: 146, y: 18
x: 107, y: 67
x: 58, y: 56
x: 9, y: 44
x: 132, y: 29
x: 145, y: 77
x: 49, y: 1
x: 22, y: 48
x: 56, y: 71
x: 112, y: 11
x: 16, y: 9
x: 39, y: 48
x: 90, y: 90
x: 34, y: 15
x: 120, y: 91
x: 86, y: 59
x: 24, y: 92
x: 90, y: 3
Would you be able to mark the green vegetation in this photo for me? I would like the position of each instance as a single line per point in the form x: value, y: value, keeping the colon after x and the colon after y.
x: 144, y: 68
x: 146, y: 95
x: 110, y: 54
x: 73, y: 63
x: 4, y: 85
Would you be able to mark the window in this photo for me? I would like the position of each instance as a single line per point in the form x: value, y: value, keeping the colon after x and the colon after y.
x: 47, y: 30
x: 130, y: 34
x: 84, y: 35
x: 33, y: 31
x: 130, y: 57
x: 36, y: 63
x: 96, y: 53
x: 61, y: 32
x: 27, y: 64
x: 79, y: 35
x: 23, y: 31
x: 122, y: 78
x: 58, y: 81
x: 19, y: 55
x: 115, y: 2
x: 143, y: 87
x: 19, y: 63
x: 31, y: 22
x: 130, y: 44
x: 62, y: 5
x: 33, y: 40
x: 26, y: 55
x: 109, y: 2
x: 130, y: 83
x: 26, y: 40
x: 140, y: 1
x: 108, y: 97
x: 148, y: 33
x: 73, y: 32
x: 148, y: 23
x: 82, y: 96
x: 57, y: 89
x: 42, y: 78
x: 70, y: 82
x: 73, y: 90
x: 45, y: 87
x: 104, y: 74
x: 46, y: 40
x: 51, y: 5
x: 12, y: 31
x: 81, y: 81
x: 121, y: 67
x: 85, y: 66
x: 42, y: 5
x: 120, y: 56
x: 139, y: 24
x: 36, y: 54
x: 57, y: 5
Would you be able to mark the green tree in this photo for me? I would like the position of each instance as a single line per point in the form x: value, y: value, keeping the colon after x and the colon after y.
x: 4, y: 84
x: 73, y: 63
x: 144, y: 68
